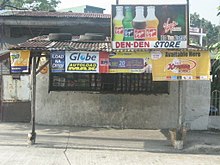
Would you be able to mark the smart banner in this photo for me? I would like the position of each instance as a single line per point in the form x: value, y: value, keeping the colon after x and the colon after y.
x: 130, y: 62
x: 149, y: 26
x: 20, y: 61
x: 180, y: 65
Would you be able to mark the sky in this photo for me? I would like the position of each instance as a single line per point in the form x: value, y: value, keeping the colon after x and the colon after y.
x: 205, y: 8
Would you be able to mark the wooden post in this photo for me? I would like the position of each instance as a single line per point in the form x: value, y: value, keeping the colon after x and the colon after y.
x: 32, y: 135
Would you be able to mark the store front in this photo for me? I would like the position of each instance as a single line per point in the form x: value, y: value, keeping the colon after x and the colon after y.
x: 130, y: 82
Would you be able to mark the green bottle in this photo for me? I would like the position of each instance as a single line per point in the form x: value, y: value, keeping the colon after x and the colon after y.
x: 127, y: 24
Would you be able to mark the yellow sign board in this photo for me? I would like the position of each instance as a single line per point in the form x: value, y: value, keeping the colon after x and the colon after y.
x: 20, y: 61
x: 181, y: 65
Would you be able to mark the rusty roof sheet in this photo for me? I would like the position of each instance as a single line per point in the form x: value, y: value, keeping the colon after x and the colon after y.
x: 27, y: 13
x: 4, y: 54
x: 43, y: 43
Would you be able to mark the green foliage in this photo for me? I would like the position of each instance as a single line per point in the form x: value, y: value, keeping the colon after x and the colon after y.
x: 215, y: 72
x: 39, y: 5
x: 215, y: 49
x: 212, y: 31
x: 215, y: 69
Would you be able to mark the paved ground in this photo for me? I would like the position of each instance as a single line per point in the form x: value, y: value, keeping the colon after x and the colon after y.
x: 98, y: 146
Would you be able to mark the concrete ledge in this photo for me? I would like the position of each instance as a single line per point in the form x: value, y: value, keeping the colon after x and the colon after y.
x: 214, y: 122
x: 16, y: 111
x: 177, y: 137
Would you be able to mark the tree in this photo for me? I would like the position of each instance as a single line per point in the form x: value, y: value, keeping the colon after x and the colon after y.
x: 215, y: 70
x: 211, y: 30
x: 39, y: 5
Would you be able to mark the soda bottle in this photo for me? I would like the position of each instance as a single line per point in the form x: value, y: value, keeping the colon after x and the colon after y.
x: 117, y: 24
x: 152, y: 24
x: 127, y: 24
x: 139, y: 24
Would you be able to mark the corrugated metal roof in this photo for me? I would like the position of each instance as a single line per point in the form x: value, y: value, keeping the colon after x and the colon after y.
x: 27, y: 13
x: 43, y: 43
x: 4, y: 54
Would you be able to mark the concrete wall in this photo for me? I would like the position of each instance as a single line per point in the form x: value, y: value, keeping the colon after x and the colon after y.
x: 123, y: 111
x: 16, y: 105
x: 196, y: 103
x: 16, y: 89
x: 16, y: 111
x: 214, y: 122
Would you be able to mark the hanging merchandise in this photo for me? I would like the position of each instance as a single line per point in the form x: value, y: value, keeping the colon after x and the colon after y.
x: 117, y: 24
x: 139, y: 24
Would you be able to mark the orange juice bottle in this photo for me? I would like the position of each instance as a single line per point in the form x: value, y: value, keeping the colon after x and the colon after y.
x: 151, y: 24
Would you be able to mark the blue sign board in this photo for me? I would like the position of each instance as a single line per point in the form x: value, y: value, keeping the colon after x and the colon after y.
x: 57, y: 61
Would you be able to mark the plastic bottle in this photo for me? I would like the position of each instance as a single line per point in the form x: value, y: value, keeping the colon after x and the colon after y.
x: 127, y: 24
x: 117, y: 24
x: 139, y: 24
x: 152, y: 24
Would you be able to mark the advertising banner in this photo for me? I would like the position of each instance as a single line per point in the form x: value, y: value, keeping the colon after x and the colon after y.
x: 103, y: 62
x: 57, y: 61
x: 79, y: 62
x: 20, y: 61
x: 149, y: 26
x: 130, y: 62
x: 180, y: 65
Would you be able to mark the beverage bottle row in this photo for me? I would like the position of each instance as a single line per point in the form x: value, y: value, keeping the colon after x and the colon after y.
x: 129, y: 28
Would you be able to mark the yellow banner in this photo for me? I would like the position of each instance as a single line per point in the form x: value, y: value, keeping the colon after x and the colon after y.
x: 20, y: 61
x: 180, y: 65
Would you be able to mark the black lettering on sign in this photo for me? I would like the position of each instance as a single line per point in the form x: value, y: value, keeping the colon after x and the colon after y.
x: 167, y: 44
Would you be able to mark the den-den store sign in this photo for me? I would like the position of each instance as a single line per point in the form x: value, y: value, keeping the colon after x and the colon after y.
x: 149, y: 26
x: 79, y: 62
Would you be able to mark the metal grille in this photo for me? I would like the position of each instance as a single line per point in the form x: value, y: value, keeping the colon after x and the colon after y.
x: 215, y: 103
x: 108, y: 83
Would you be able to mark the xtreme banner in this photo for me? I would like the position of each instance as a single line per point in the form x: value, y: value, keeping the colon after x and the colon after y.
x: 181, y: 65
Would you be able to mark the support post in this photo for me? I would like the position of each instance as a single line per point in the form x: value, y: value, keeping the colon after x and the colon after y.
x: 1, y: 88
x: 178, y: 134
x: 180, y: 111
x: 188, y: 22
x: 32, y: 135
x: 117, y: 2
